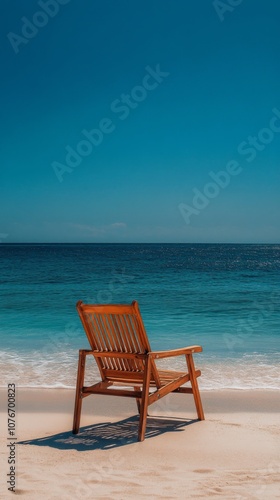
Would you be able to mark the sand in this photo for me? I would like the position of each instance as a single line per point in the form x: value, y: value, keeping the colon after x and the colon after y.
x: 233, y: 454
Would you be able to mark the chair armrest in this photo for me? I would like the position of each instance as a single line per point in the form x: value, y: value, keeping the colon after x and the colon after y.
x: 175, y: 352
x: 86, y: 351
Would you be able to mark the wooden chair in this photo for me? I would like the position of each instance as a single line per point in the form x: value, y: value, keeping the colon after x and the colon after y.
x: 123, y: 355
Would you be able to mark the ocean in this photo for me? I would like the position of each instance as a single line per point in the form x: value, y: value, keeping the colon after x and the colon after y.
x: 225, y: 297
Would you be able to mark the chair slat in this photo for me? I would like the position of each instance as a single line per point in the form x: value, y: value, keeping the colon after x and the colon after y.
x: 128, y: 341
x: 131, y: 327
x: 95, y: 331
x: 115, y: 343
x: 123, y: 339
x: 97, y: 321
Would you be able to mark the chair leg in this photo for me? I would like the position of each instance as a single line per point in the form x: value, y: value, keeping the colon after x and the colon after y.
x: 195, y: 388
x: 79, y: 386
x: 144, y: 401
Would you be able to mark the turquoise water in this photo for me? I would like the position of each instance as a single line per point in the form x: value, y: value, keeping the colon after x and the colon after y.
x: 223, y: 297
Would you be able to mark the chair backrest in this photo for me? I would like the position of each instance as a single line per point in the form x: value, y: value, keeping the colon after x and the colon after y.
x: 115, y: 328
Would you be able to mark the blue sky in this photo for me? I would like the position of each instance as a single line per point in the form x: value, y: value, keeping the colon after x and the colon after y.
x: 180, y: 88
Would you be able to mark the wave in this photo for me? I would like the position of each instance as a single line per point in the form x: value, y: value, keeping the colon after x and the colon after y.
x: 35, y: 370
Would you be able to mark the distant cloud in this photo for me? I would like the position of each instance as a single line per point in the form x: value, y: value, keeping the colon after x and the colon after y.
x: 84, y: 228
x: 3, y: 236
x: 98, y: 230
x: 118, y: 224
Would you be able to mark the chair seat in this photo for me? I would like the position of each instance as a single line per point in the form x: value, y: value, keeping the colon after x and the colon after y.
x: 169, y: 375
x: 136, y: 378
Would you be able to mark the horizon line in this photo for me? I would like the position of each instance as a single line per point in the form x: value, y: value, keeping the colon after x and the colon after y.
x: 134, y: 243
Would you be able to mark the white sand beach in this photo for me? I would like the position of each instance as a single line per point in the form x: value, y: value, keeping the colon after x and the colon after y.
x: 233, y: 454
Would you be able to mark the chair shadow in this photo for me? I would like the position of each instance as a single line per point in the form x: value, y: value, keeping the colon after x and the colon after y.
x: 108, y: 435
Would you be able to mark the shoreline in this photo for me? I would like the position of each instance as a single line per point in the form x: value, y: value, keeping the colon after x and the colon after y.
x: 215, y: 401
